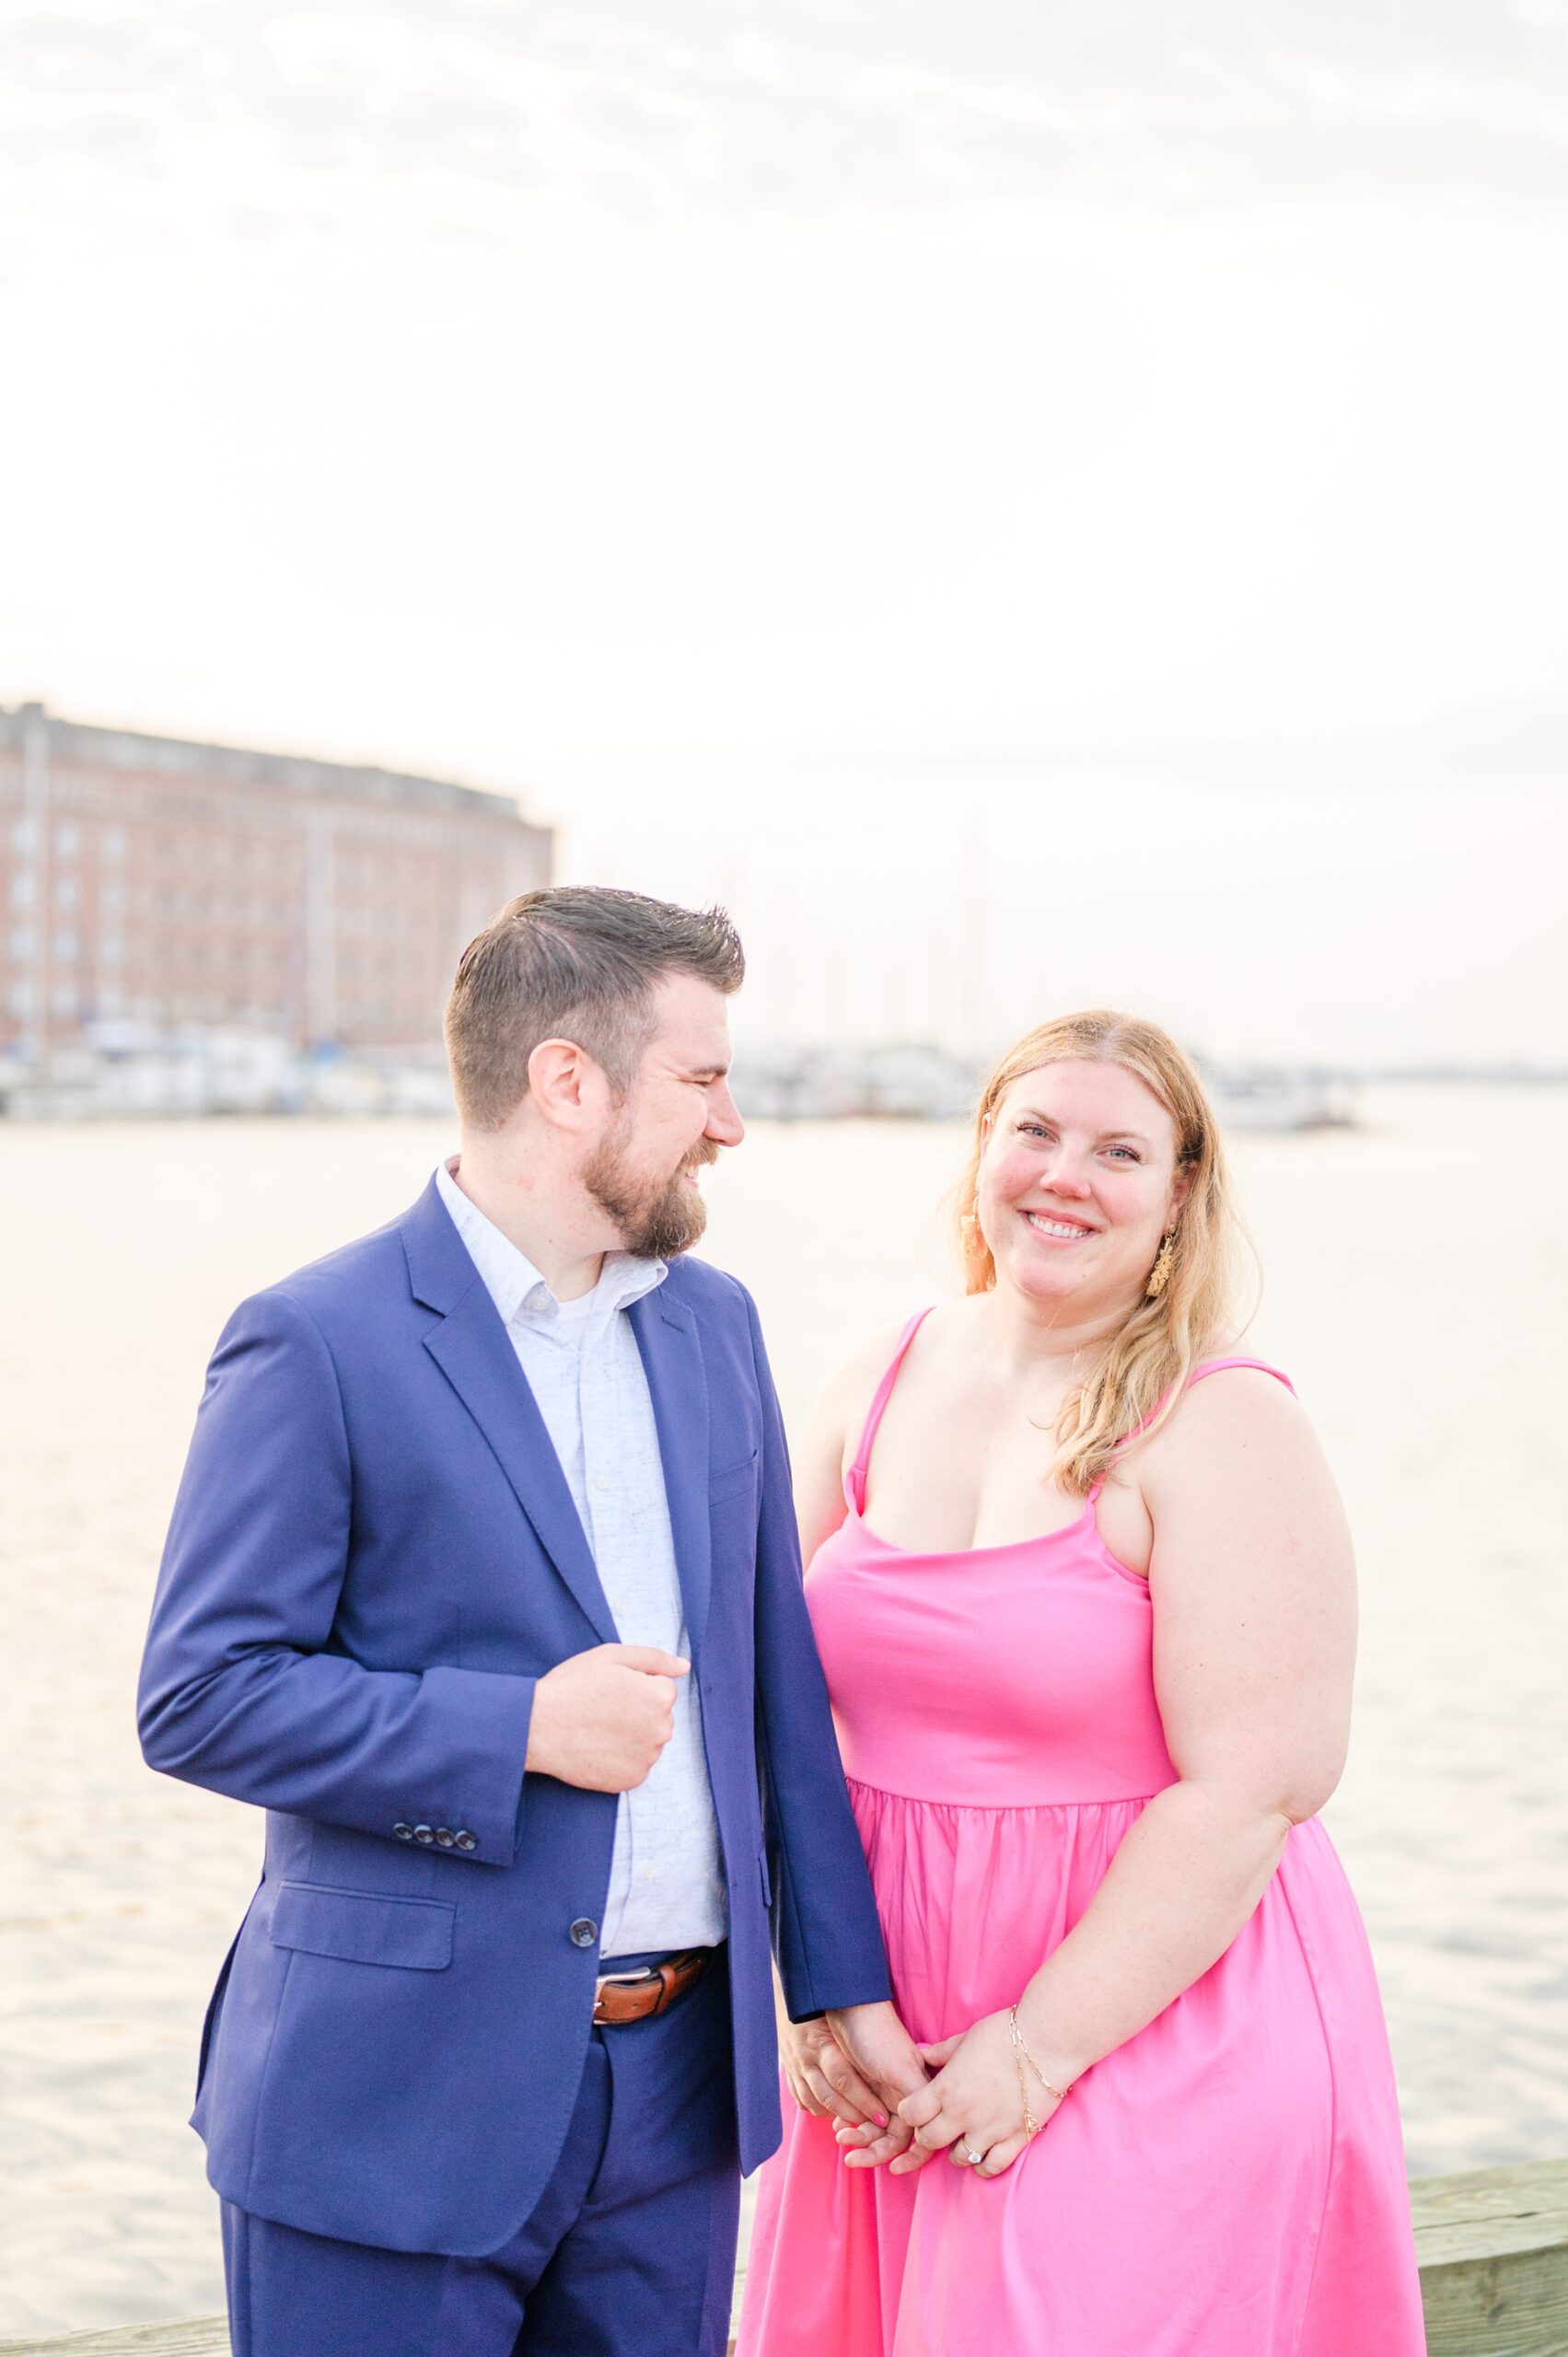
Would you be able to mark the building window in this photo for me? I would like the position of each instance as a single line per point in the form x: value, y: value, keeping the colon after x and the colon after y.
x: 64, y: 998
x: 21, y: 998
x: 67, y: 835
x: 67, y: 892
x: 111, y: 948
x: 66, y: 946
x: 24, y: 834
x: 21, y: 891
x: 114, y: 842
x: 21, y: 941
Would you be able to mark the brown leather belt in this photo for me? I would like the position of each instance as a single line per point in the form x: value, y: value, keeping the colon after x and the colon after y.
x: 637, y: 1996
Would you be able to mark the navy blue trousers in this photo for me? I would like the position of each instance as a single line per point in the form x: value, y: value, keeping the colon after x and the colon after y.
x: 630, y: 2251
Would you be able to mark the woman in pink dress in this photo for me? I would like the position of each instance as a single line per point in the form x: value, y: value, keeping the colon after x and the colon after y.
x: 1084, y: 1597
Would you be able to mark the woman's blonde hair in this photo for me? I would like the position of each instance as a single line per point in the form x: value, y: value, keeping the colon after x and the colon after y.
x: 1167, y: 1334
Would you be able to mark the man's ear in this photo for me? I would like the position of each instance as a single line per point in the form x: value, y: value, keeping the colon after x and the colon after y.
x: 563, y: 1082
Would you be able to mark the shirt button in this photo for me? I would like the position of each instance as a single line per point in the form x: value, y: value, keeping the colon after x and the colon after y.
x: 585, y: 1932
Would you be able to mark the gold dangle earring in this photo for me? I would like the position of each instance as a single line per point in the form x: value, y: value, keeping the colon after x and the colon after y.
x: 1159, y: 1275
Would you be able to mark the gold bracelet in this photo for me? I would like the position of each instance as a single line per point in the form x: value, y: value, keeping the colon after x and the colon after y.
x: 1021, y: 2049
x: 1031, y: 2125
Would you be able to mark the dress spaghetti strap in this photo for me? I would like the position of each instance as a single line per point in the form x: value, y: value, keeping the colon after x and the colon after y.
x: 1210, y: 1367
x: 855, y: 1480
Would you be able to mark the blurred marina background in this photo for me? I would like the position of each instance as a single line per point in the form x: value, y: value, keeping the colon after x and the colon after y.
x: 1028, y: 509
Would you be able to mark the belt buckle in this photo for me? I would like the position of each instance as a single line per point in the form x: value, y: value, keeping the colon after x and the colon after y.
x: 646, y: 1991
x: 634, y: 1980
x: 660, y: 1984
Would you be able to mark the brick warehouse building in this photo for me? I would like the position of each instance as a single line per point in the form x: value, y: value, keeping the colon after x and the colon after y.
x: 150, y: 882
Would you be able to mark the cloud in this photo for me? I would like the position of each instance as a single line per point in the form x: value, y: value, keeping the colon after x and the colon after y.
x: 700, y: 109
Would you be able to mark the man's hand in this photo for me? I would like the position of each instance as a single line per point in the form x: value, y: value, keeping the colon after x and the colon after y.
x: 602, y: 1719
x: 888, y: 2060
x: 824, y: 2079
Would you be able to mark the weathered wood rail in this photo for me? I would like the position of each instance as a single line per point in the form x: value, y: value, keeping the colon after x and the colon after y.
x: 1492, y: 2244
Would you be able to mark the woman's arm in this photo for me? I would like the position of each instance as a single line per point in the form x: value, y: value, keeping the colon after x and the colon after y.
x: 1253, y: 1589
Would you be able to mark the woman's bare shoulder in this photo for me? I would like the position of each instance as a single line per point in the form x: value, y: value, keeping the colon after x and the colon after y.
x: 856, y: 1375
x: 1256, y: 1374
x: 845, y: 1399
x: 1232, y: 1413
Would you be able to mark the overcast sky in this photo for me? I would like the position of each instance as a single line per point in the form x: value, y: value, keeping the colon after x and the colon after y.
x: 1031, y: 501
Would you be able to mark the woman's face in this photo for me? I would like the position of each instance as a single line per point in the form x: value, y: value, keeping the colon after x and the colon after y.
x: 1078, y: 1182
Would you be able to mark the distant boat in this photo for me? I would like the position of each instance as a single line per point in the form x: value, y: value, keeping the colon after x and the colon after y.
x: 1264, y: 1099
x: 896, y: 1080
x: 135, y: 1071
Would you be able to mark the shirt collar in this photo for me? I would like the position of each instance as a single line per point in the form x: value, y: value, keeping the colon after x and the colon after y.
x: 510, y: 1278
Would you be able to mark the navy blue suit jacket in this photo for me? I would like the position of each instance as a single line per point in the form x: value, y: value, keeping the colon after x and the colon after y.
x: 373, y: 1557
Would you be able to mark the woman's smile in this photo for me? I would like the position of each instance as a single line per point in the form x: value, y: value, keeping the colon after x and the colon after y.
x: 1058, y: 1231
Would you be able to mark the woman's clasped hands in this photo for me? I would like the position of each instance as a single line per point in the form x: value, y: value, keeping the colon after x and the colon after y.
x: 972, y: 2106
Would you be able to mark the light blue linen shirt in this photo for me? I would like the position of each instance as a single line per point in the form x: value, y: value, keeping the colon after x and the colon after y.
x: 582, y: 1363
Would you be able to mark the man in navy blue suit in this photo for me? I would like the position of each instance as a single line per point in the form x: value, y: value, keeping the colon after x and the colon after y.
x: 483, y: 1581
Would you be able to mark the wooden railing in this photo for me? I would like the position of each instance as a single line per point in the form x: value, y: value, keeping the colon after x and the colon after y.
x: 1493, y: 2245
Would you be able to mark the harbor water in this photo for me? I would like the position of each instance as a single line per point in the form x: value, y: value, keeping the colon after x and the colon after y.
x: 1417, y: 1292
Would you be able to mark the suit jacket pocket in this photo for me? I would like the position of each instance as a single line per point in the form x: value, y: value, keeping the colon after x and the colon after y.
x: 734, y: 1480
x: 364, y: 1927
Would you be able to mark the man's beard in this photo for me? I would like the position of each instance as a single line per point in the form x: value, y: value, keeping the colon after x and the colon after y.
x: 657, y: 1218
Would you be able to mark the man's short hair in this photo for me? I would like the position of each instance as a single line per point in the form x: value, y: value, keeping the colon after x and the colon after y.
x: 576, y: 962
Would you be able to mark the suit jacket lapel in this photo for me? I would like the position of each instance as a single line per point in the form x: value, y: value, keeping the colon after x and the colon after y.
x: 474, y: 1351
x: 677, y: 1385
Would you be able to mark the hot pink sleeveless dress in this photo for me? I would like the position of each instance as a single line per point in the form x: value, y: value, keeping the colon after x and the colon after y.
x: 1228, y: 2183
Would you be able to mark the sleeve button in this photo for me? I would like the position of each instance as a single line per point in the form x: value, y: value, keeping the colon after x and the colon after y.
x: 404, y: 1832
x: 464, y: 1840
x: 425, y: 1834
x: 443, y: 1837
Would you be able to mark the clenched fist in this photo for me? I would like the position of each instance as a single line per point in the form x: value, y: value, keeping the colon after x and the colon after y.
x: 602, y: 1719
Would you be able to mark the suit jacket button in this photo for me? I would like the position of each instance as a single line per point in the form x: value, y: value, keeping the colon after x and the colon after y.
x: 423, y: 1833
x: 404, y: 1832
x: 443, y: 1837
x: 464, y: 1840
x: 584, y: 1933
